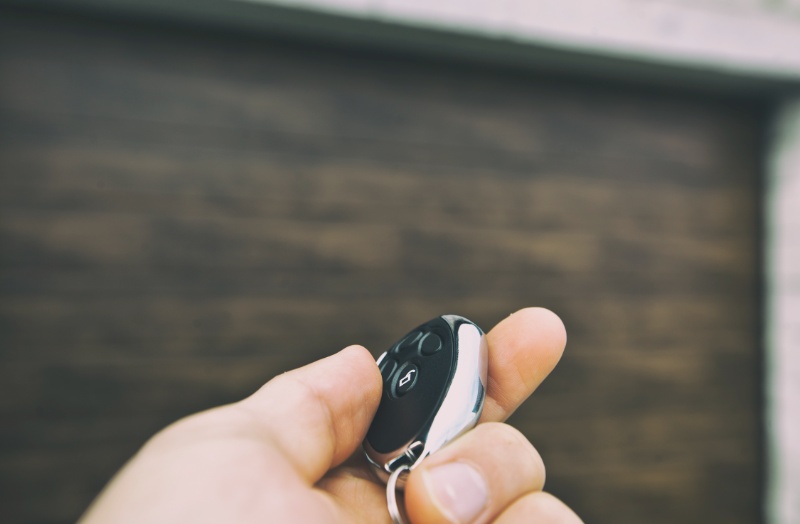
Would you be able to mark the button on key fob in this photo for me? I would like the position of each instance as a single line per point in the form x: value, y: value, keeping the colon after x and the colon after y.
x: 434, y: 385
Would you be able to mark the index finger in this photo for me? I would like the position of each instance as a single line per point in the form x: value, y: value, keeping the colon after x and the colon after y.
x: 523, y: 349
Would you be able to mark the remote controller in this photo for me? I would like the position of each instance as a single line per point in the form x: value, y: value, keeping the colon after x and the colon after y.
x: 434, y: 385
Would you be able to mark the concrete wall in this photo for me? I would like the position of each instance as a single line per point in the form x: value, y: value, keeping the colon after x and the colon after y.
x: 787, y: 7
x: 783, y: 319
x: 757, y: 36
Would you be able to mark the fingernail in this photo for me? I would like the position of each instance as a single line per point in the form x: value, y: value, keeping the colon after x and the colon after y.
x: 458, y: 490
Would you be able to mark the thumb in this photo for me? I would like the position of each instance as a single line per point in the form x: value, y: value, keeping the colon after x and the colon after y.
x: 319, y: 414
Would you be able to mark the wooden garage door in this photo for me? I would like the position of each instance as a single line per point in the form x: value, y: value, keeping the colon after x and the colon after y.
x: 185, y: 214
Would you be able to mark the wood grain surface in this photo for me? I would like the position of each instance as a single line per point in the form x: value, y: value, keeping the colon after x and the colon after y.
x: 185, y: 213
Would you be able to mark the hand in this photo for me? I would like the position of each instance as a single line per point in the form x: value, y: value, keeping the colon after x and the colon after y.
x: 281, y: 455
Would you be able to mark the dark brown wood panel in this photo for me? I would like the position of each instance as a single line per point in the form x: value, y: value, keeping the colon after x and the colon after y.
x: 177, y: 205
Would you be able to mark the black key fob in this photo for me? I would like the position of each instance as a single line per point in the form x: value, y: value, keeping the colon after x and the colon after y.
x: 434, y: 385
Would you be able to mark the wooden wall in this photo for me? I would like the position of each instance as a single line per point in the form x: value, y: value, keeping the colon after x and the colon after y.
x: 185, y: 213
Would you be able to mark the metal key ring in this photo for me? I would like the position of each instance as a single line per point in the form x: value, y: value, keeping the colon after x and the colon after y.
x: 391, y: 495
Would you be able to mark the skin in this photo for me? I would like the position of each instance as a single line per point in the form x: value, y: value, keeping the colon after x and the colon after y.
x: 291, y: 451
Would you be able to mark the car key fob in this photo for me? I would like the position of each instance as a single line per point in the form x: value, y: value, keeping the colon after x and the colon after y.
x: 434, y: 385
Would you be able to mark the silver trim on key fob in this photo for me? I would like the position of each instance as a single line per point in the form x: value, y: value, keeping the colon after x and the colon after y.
x: 459, y: 410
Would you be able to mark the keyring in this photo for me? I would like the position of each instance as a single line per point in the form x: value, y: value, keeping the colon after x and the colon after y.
x: 391, y: 495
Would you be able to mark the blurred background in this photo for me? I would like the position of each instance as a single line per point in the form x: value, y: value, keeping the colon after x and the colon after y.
x: 196, y: 196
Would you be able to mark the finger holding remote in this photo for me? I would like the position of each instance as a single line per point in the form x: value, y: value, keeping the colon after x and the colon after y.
x: 492, y: 470
x: 493, y: 473
x: 523, y: 349
x: 268, y: 458
x: 478, y: 478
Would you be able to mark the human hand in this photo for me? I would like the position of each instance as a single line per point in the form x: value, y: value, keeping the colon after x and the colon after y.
x: 291, y: 451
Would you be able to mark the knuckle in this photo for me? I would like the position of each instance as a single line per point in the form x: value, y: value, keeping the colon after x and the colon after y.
x: 508, y: 440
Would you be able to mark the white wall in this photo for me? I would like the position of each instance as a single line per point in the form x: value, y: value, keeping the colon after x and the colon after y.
x: 785, y: 6
x: 783, y: 319
x: 754, y: 36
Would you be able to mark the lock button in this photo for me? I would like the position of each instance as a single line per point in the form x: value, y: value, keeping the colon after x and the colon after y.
x: 405, y: 379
